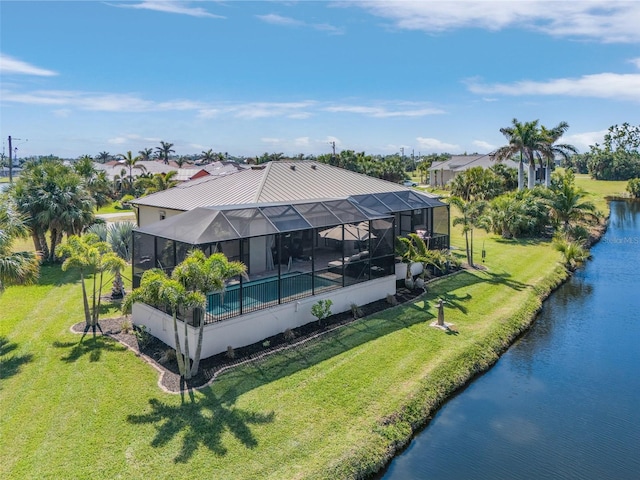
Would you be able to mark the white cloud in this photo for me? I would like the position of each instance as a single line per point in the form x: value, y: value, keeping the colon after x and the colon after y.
x: 433, y: 145
x: 275, y: 19
x: 597, y: 19
x: 382, y: 112
x: 271, y: 141
x: 484, y: 146
x: 10, y: 65
x: 582, y: 141
x: 635, y: 61
x: 167, y: 6
x: 601, y: 85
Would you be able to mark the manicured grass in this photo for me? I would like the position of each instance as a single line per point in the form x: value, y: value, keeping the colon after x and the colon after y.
x: 330, y: 409
x: 599, y: 189
x: 111, y: 208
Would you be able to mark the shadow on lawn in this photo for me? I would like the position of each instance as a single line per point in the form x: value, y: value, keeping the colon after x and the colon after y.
x: 11, y: 365
x: 504, y: 279
x: 93, y: 347
x: 202, y: 421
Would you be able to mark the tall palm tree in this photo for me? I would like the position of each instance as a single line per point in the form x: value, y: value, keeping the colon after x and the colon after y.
x: 165, y: 150
x: 119, y: 235
x: 198, y: 273
x: 130, y: 162
x: 471, y: 213
x: 551, y: 149
x: 90, y: 256
x: 524, y: 139
x: 145, y: 154
x: 15, y: 267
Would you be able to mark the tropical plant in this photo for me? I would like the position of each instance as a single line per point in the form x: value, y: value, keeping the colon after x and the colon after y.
x: 131, y: 162
x: 55, y: 202
x: 119, y: 235
x: 156, y: 288
x: 550, y: 149
x: 199, y: 273
x: 573, y: 253
x: 516, y: 214
x: 477, y: 183
x: 96, y: 182
x: 103, y: 157
x: 165, y: 151
x: 16, y: 268
x: 145, y: 154
x: 470, y: 217
x: 567, y: 202
x: 91, y: 257
x: 157, y: 182
x: 208, y: 156
x: 523, y: 140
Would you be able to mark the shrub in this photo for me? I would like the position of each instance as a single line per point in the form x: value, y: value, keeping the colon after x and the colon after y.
x: 321, y: 310
x: 356, y: 311
x: 633, y: 187
x: 289, y: 335
x: 231, y: 353
x: 266, y: 344
x: 142, y: 335
x: 392, y: 300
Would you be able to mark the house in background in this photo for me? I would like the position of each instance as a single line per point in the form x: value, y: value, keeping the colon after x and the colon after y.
x: 305, y: 230
x: 187, y: 172
x: 441, y: 173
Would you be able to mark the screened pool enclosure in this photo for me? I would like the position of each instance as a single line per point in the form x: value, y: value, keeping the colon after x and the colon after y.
x: 291, y: 250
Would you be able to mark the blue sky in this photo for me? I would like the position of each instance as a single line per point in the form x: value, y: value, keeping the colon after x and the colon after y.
x: 81, y: 77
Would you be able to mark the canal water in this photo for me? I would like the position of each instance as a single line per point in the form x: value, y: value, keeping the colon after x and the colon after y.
x: 564, y: 401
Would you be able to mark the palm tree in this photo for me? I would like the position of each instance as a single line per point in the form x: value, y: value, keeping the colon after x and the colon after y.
x: 145, y: 154
x: 551, y: 149
x: 130, y: 162
x: 103, y: 157
x: 471, y: 213
x: 91, y: 256
x: 158, y: 289
x: 567, y: 203
x: 208, y: 156
x: 197, y: 273
x: 119, y: 235
x: 157, y: 182
x: 524, y: 139
x: 165, y: 150
x: 573, y: 253
x: 15, y: 267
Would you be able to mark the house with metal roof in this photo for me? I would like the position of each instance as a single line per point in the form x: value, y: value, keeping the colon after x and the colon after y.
x: 305, y: 230
x: 441, y: 173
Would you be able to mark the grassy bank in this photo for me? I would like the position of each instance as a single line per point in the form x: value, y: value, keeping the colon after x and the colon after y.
x: 335, y: 408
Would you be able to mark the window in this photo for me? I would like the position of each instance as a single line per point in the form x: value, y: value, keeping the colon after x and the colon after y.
x: 163, y: 214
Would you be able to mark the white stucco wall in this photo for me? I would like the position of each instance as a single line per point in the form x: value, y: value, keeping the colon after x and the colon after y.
x: 253, y: 327
x: 149, y: 215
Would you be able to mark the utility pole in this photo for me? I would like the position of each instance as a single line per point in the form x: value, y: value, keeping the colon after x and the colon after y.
x: 10, y: 162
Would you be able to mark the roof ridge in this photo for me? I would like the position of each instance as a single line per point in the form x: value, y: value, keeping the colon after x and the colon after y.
x: 258, y: 194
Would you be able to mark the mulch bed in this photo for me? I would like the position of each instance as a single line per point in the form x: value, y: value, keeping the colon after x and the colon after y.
x: 155, y: 351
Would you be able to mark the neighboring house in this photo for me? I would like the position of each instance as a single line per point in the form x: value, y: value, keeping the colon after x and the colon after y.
x: 186, y: 173
x: 305, y: 230
x: 441, y: 173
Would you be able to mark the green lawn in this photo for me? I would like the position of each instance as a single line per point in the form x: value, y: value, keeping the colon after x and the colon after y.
x: 599, y: 189
x: 325, y: 410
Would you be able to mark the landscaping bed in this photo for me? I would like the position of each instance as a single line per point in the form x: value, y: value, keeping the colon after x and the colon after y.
x: 155, y: 351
